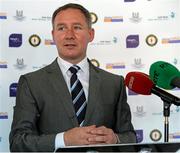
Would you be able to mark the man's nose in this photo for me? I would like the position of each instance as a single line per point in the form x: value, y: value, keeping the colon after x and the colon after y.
x: 70, y: 34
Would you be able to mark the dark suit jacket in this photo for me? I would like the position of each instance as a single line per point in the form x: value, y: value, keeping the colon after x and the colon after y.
x: 44, y: 108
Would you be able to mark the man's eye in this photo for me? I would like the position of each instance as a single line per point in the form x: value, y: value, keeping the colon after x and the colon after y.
x: 77, y: 27
x: 61, y: 28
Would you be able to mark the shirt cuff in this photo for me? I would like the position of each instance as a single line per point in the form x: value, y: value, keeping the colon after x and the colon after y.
x: 59, y: 141
x: 118, y: 141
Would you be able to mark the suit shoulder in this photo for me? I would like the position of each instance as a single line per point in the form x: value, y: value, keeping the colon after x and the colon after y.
x: 38, y: 74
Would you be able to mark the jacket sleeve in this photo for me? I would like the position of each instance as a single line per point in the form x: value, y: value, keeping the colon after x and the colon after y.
x: 124, y: 127
x: 24, y: 135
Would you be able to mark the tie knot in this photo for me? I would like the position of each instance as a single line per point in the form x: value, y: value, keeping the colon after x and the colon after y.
x: 74, y: 69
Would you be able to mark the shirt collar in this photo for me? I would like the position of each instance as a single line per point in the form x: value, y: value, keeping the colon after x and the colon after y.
x: 64, y: 65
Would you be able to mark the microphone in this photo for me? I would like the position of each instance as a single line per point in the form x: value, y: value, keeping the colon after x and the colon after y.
x: 165, y: 75
x: 141, y: 83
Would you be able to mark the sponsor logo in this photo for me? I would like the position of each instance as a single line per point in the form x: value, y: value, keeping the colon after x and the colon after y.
x: 94, y: 17
x: 131, y: 93
x: 139, y: 111
x: 129, y: 0
x: 174, y: 135
x: 132, y: 41
x: 3, y: 115
x: 151, y: 40
x: 3, y: 15
x: 135, y: 17
x: 19, y: 15
x: 3, y: 64
x: 95, y: 62
x: 166, y: 17
x: 20, y: 63
x: 115, y: 66
x: 34, y: 40
x: 155, y: 135
x: 114, y: 40
x: 49, y: 42
x: 172, y: 40
x: 174, y: 110
x: 172, y: 15
x: 113, y: 19
x: 42, y: 18
x: 13, y: 90
x: 139, y: 135
x: 15, y: 40
x: 138, y: 63
x: 175, y: 61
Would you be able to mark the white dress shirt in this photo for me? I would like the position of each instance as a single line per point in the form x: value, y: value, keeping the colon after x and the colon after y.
x: 83, y: 76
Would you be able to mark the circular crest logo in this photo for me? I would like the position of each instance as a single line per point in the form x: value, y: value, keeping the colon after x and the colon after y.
x: 95, y: 62
x: 34, y: 40
x: 94, y: 17
x: 155, y: 135
x: 151, y: 40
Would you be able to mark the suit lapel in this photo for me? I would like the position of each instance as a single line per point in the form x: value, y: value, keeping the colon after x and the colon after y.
x: 60, y: 86
x: 94, y: 82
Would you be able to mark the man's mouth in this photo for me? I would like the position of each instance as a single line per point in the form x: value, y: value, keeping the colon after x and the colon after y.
x: 70, y: 45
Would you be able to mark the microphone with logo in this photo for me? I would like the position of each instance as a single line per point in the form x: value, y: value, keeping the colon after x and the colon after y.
x: 141, y: 83
x: 165, y: 75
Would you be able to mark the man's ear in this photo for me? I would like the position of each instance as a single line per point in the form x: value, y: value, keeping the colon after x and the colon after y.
x: 91, y: 34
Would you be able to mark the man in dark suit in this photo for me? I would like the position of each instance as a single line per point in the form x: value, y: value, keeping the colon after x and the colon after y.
x: 70, y: 102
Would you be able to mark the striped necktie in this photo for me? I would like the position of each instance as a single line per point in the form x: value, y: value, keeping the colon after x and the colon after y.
x: 78, y: 95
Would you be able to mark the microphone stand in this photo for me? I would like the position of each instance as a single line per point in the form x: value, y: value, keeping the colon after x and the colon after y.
x: 168, y: 99
x: 166, y: 113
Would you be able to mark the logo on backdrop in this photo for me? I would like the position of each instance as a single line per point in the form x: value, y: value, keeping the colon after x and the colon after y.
x: 49, y: 42
x: 20, y: 64
x: 129, y: 0
x: 138, y: 63
x: 151, y: 40
x: 15, y: 40
x: 94, y: 17
x: 34, y: 40
x: 175, y: 61
x: 113, y: 19
x: 155, y: 135
x: 139, y: 135
x: 135, y: 17
x: 3, y: 115
x: 13, y: 90
x: 113, y: 40
x: 119, y: 65
x: 174, y: 135
x: 3, y: 15
x: 0, y: 139
x: 95, y: 62
x: 172, y: 40
x: 3, y: 64
x: 132, y: 41
x: 169, y: 16
x: 19, y: 15
x: 139, y: 111
x: 42, y: 18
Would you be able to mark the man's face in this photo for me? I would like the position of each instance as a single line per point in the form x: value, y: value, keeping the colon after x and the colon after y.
x: 71, y: 35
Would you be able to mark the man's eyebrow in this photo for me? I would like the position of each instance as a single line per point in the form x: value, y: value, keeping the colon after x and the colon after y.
x: 60, y: 24
x: 76, y: 23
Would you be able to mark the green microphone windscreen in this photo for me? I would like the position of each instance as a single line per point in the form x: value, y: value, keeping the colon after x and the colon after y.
x: 162, y: 74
